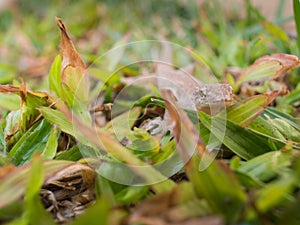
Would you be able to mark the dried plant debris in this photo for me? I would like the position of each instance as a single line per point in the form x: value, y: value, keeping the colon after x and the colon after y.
x: 67, y: 193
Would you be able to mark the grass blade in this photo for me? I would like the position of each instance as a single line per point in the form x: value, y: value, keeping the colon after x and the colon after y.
x: 296, y: 7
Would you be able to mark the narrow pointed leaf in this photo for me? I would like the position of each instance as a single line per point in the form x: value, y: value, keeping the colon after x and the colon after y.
x: 54, y: 76
x: 35, y: 212
x: 241, y: 141
x: 34, y: 140
x: 244, y: 112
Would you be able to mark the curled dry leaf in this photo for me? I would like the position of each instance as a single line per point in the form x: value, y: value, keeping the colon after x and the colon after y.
x: 286, y: 61
x: 69, y: 53
x: 23, y: 92
x: 75, y: 81
x: 269, y: 67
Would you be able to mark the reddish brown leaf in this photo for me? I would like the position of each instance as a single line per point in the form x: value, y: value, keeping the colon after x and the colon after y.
x: 69, y: 53
x: 273, y: 66
x: 8, y: 89
x: 286, y: 61
x: 73, y: 69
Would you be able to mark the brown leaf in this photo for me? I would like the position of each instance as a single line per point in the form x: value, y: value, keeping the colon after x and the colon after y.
x: 278, y: 64
x: 69, y: 191
x: 286, y: 61
x: 6, y: 170
x: 69, y: 53
x: 73, y: 171
x: 8, y: 89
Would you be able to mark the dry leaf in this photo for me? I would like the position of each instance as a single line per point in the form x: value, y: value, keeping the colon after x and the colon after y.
x: 75, y: 82
x: 69, y: 191
x: 69, y: 53
x: 286, y: 61
x: 278, y: 64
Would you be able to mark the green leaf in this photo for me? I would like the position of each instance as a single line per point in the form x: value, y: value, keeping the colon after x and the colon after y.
x: 11, y: 211
x: 9, y: 101
x: 12, y: 123
x: 275, y: 194
x: 264, y: 127
x: 248, y: 181
x: 274, y: 113
x: 241, y: 141
x: 104, y: 76
x: 35, y: 212
x: 55, y: 76
x: 4, y: 161
x: 284, y: 127
x: 296, y: 7
x: 267, y: 166
x: 34, y: 140
x: 131, y: 195
x: 72, y: 154
x: 121, y: 125
x: 94, y: 215
x: 106, y: 142
x: 244, y: 112
x: 215, y: 182
x: 142, y: 143
x: 78, y: 106
x: 56, y: 117
x: 263, y: 70
x: 29, y: 111
x: 223, y: 192
x: 293, y: 96
x: 50, y: 150
x: 77, y: 85
x: 276, y: 32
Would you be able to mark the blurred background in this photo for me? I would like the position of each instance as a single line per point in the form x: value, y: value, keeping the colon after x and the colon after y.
x: 228, y: 33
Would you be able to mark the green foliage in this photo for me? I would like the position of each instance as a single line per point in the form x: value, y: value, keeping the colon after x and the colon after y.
x: 296, y: 7
x: 246, y: 170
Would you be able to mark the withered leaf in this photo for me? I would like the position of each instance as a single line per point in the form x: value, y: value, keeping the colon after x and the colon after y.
x: 286, y: 61
x: 69, y: 53
x: 269, y: 67
x: 71, y: 172
x: 73, y: 70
